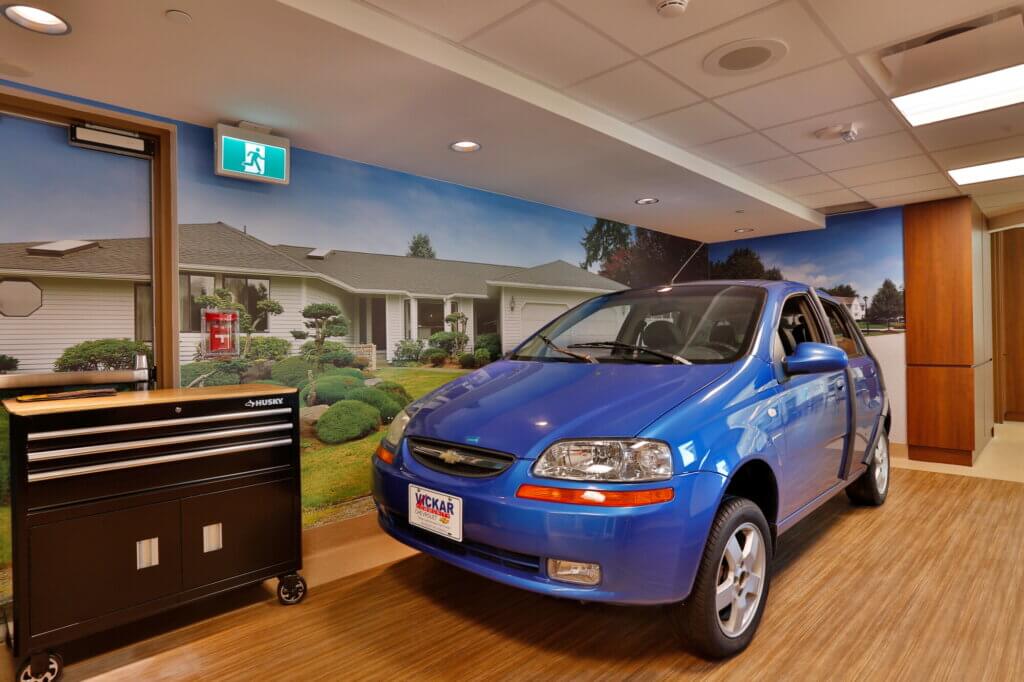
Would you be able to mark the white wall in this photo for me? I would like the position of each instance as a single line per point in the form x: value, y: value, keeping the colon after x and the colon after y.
x: 890, y: 350
x: 74, y: 310
x: 512, y: 327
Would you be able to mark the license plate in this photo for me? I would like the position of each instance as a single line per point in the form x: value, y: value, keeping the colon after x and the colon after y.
x: 437, y: 512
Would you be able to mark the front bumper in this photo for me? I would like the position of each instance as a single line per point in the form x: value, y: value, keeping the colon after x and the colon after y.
x: 648, y: 554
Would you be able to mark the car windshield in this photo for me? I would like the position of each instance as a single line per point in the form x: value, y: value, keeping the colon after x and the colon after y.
x: 689, y: 324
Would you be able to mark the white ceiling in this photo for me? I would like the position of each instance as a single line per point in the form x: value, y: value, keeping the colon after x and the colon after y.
x: 583, y: 104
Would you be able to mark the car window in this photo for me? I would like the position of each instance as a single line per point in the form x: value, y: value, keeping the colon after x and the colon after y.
x: 694, y: 323
x: 798, y: 324
x: 845, y: 337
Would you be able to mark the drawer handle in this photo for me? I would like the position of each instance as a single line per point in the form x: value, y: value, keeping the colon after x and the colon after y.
x: 213, y: 537
x: 147, y: 553
x: 149, y: 461
x: 153, y: 442
x: 117, y: 428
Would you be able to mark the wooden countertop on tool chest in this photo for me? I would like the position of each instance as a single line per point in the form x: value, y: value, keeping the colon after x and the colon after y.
x: 137, y: 398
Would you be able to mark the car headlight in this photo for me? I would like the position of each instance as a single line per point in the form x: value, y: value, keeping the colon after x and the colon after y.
x: 613, y: 461
x: 397, y: 428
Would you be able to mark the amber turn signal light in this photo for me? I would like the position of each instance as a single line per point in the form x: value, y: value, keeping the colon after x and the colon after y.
x: 595, y: 498
x: 385, y: 455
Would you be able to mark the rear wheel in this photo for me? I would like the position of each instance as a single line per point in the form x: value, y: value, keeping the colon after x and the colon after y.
x: 873, y: 485
x: 721, y: 615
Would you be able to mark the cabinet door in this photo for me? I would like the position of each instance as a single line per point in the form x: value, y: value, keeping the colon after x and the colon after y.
x: 234, y: 532
x: 91, y: 566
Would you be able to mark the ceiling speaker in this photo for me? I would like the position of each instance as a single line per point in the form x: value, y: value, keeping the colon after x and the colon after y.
x: 668, y: 9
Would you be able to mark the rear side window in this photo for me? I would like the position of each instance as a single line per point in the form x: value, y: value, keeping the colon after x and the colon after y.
x: 846, y: 338
x: 798, y: 324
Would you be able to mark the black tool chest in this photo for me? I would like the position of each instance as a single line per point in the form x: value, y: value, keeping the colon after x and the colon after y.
x: 129, y: 505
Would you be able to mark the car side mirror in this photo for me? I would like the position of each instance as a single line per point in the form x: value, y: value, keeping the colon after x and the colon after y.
x: 812, y: 358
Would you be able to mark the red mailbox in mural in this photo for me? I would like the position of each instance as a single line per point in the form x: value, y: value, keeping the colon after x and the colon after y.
x: 220, y: 333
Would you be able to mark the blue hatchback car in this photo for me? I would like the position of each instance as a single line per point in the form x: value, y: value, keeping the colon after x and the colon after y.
x: 646, y: 447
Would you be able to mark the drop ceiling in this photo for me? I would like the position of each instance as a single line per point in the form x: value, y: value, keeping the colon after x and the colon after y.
x: 582, y: 104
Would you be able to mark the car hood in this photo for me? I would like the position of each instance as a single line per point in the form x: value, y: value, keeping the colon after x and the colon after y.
x: 520, y: 407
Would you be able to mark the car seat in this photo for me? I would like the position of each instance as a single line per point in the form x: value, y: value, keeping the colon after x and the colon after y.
x: 662, y: 335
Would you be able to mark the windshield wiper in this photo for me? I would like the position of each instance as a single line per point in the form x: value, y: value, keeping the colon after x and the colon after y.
x: 565, y: 351
x: 633, y: 347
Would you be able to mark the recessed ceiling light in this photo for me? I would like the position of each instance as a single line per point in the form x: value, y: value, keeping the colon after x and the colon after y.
x: 178, y: 16
x: 35, y: 19
x: 986, y: 172
x: 969, y: 96
x: 741, y: 230
x: 464, y: 146
x: 646, y: 201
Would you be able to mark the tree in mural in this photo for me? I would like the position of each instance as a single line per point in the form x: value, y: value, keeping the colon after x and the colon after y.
x: 638, y: 257
x: 323, y: 320
x: 844, y: 290
x: 603, y: 239
x: 265, y: 307
x: 420, y: 246
x: 887, y: 304
x: 743, y: 263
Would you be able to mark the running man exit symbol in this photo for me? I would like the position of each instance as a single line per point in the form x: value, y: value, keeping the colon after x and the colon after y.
x: 255, y: 158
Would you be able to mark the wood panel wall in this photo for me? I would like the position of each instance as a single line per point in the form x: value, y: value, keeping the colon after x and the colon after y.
x: 948, y: 312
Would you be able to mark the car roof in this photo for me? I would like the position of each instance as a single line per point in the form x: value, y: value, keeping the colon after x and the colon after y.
x: 777, y: 287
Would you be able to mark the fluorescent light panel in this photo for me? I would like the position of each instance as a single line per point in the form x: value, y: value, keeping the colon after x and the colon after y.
x: 987, y: 172
x: 988, y: 91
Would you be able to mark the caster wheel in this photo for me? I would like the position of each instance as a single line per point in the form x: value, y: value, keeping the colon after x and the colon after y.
x: 54, y: 670
x: 291, y: 589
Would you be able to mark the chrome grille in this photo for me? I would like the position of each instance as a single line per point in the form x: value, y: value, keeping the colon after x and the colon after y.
x: 458, y: 460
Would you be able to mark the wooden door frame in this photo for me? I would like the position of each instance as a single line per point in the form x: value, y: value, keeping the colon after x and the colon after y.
x: 164, y: 202
x: 998, y: 332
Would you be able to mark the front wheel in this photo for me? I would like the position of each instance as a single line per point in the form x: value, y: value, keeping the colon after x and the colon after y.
x: 872, y: 487
x: 721, y: 615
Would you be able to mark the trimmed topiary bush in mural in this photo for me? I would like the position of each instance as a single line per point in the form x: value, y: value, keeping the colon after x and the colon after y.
x: 344, y: 372
x: 329, y: 389
x: 491, y: 342
x: 467, y: 361
x: 347, y: 420
x: 268, y: 348
x: 212, y: 373
x: 483, y: 356
x: 384, y: 403
x: 291, y: 371
x: 396, y: 391
x: 102, y: 354
x: 433, y: 356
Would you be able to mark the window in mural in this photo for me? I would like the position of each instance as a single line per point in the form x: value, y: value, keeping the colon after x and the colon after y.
x: 74, y: 267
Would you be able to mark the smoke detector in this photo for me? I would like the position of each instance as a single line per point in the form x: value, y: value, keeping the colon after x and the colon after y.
x: 847, y: 132
x: 670, y: 9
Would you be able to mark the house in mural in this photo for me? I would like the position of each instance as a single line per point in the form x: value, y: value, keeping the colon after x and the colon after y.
x: 855, y: 304
x: 99, y: 289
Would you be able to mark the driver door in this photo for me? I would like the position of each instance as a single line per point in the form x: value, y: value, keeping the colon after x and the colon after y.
x: 815, y: 412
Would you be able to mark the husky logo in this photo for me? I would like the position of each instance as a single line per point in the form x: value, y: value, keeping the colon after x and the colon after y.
x: 264, y: 402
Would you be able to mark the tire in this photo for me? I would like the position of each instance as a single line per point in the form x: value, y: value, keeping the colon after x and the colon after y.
x: 872, y: 487
x: 714, y: 632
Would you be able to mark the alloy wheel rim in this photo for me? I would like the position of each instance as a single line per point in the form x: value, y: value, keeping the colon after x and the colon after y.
x: 881, y: 466
x: 740, y: 584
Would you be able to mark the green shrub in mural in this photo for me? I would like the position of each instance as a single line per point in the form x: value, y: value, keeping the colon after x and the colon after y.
x: 7, y: 364
x: 102, y: 354
x: 268, y: 348
x: 347, y: 420
x: 396, y: 391
x: 291, y: 371
x: 323, y: 320
x: 385, y: 404
x: 433, y: 356
x: 492, y: 342
x: 328, y: 389
x: 467, y: 361
x: 344, y: 372
x: 331, y: 354
x: 482, y: 355
x: 212, y: 373
x: 408, y: 350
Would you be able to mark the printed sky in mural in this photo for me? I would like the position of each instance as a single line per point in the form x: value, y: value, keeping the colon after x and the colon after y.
x: 336, y: 203
x: 73, y: 187
x: 860, y: 249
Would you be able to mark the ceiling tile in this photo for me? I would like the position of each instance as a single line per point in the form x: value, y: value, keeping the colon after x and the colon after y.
x: 986, y: 152
x: 959, y: 132
x: 921, y: 183
x: 871, y: 120
x: 545, y: 43
x: 871, y: 23
x: 453, y: 19
x: 699, y: 124
x: 864, y: 152
x: 915, y: 198
x: 887, y: 170
x: 738, y: 151
x: 813, y: 184
x: 788, y: 22
x: 826, y: 88
x: 634, y: 91
x: 999, y: 204
x: 776, y: 170
x: 832, y: 198
x: 637, y: 25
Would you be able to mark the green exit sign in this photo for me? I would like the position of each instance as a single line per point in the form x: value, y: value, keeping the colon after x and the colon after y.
x: 251, y: 155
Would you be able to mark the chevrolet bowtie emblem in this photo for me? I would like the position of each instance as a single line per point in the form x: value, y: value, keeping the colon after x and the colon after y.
x: 450, y: 457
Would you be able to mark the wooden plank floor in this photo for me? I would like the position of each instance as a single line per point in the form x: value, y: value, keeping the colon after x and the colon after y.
x: 930, y: 586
